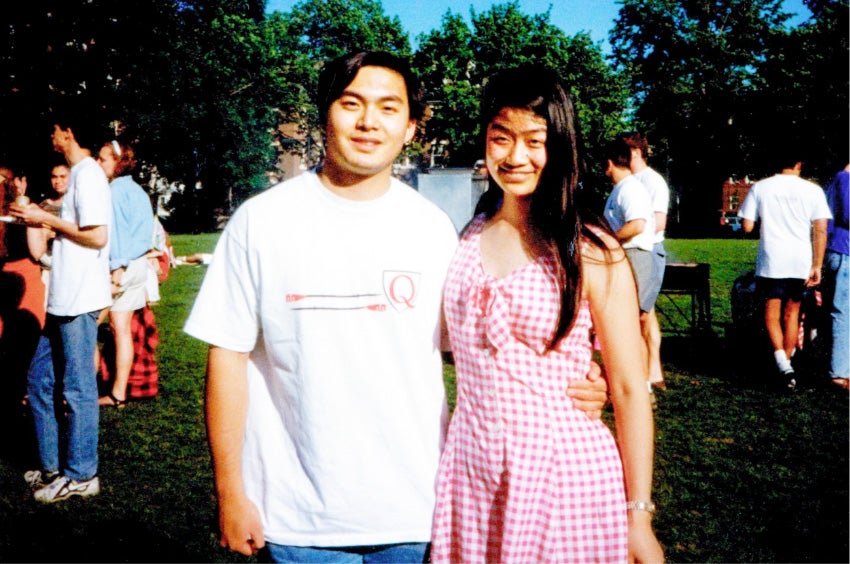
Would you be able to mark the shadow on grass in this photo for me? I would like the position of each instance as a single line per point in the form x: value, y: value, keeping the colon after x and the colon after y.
x: 48, y: 535
x: 746, y: 470
x: 742, y: 357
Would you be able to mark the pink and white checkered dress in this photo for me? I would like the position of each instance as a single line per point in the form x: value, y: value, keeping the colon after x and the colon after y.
x: 524, y: 477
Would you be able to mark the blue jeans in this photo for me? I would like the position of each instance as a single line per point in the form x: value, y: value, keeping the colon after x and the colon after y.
x: 836, y: 286
x: 63, y: 368
x: 408, y: 552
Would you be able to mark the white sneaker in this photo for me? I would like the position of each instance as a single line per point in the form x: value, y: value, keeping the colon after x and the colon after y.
x: 36, y: 479
x: 64, y: 487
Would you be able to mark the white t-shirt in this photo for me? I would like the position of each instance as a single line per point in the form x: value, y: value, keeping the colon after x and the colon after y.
x: 338, y: 303
x: 628, y: 201
x: 786, y: 205
x: 79, y: 276
x: 659, y: 193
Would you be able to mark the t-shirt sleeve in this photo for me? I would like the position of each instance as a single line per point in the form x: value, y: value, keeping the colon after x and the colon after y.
x: 93, y: 198
x: 225, y: 313
x: 660, y: 193
x: 749, y: 209
x: 635, y: 204
x: 821, y: 209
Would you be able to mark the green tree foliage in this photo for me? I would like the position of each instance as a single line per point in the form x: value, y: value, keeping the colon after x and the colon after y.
x: 715, y: 82
x: 804, y: 82
x: 331, y: 28
x: 455, y: 60
x: 51, y: 51
x: 320, y: 30
x: 446, y: 64
x: 192, y: 82
x: 217, y: 138
x: 201, y: 84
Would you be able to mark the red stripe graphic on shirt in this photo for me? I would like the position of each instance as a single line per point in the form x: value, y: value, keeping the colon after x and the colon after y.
x: 299, y: 297
x: 400, y: 290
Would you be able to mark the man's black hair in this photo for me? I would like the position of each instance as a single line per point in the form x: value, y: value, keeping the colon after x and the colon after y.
x: 81, y: 119
x: 339, y: 73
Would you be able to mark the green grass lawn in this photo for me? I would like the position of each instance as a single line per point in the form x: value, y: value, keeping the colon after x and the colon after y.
x: 743, y: 473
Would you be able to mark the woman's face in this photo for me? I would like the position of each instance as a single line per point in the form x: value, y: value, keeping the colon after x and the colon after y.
x: 59, y: 179
x: 516, y: 150
x: 107, y: 161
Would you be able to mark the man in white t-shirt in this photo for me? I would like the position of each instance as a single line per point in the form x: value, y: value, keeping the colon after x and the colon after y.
x: 325, y: 404
x: 628, y: 212
x: 659, y: 196
x: 793, y: 213
x: 77, y: 292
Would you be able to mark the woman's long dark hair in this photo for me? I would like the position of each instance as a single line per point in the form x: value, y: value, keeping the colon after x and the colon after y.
x: 554, y: 213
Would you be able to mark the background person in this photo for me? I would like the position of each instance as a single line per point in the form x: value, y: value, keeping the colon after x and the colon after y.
x: 659, y: 197
x: 63, y: 364
x: 132, y: 234
x: 525, y: 477
x: 793, y: 215
x: 628, y: 212
x: 22, y: 311
x: 59, y: 184
x: 143, y: 382
x: 40, y: 241
x: 195, y: 258
x: 836, y: 283
x: 160, y: 260
x: 22, y: 273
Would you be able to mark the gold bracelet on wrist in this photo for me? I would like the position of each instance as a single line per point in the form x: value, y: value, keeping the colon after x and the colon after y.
x: 647, y: 506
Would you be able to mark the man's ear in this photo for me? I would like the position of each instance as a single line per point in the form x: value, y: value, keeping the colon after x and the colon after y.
x: 66, y: 132
x: 411, y: 131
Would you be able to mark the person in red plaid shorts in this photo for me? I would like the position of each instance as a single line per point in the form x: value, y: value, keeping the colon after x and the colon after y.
x: 524, y: 476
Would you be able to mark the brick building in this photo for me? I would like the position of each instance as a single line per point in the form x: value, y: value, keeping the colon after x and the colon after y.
x: 734, y: 192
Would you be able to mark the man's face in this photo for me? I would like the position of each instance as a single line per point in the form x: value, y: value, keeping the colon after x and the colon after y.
x: 368, y: 124
x: 59, y: 179
x: 636, y: 159
x: 61, y: 139
x: 107, y: 161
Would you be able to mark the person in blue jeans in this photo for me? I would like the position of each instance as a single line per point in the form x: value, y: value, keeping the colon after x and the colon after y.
x: 835, y: 281
x: 61, y: 380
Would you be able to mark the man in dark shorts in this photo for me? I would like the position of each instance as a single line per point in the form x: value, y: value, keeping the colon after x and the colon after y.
x: 793, y: 214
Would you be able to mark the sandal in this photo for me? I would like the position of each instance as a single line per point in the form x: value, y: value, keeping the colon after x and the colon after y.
x: 110, y: 400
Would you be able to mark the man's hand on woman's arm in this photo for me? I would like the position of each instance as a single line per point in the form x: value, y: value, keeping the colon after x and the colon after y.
x: 591, y: 394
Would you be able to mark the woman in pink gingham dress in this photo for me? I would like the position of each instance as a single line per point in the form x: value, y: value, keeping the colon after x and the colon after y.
x: 525, y: 476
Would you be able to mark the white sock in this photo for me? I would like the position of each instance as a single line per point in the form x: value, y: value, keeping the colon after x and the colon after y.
x: 782, y: 361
